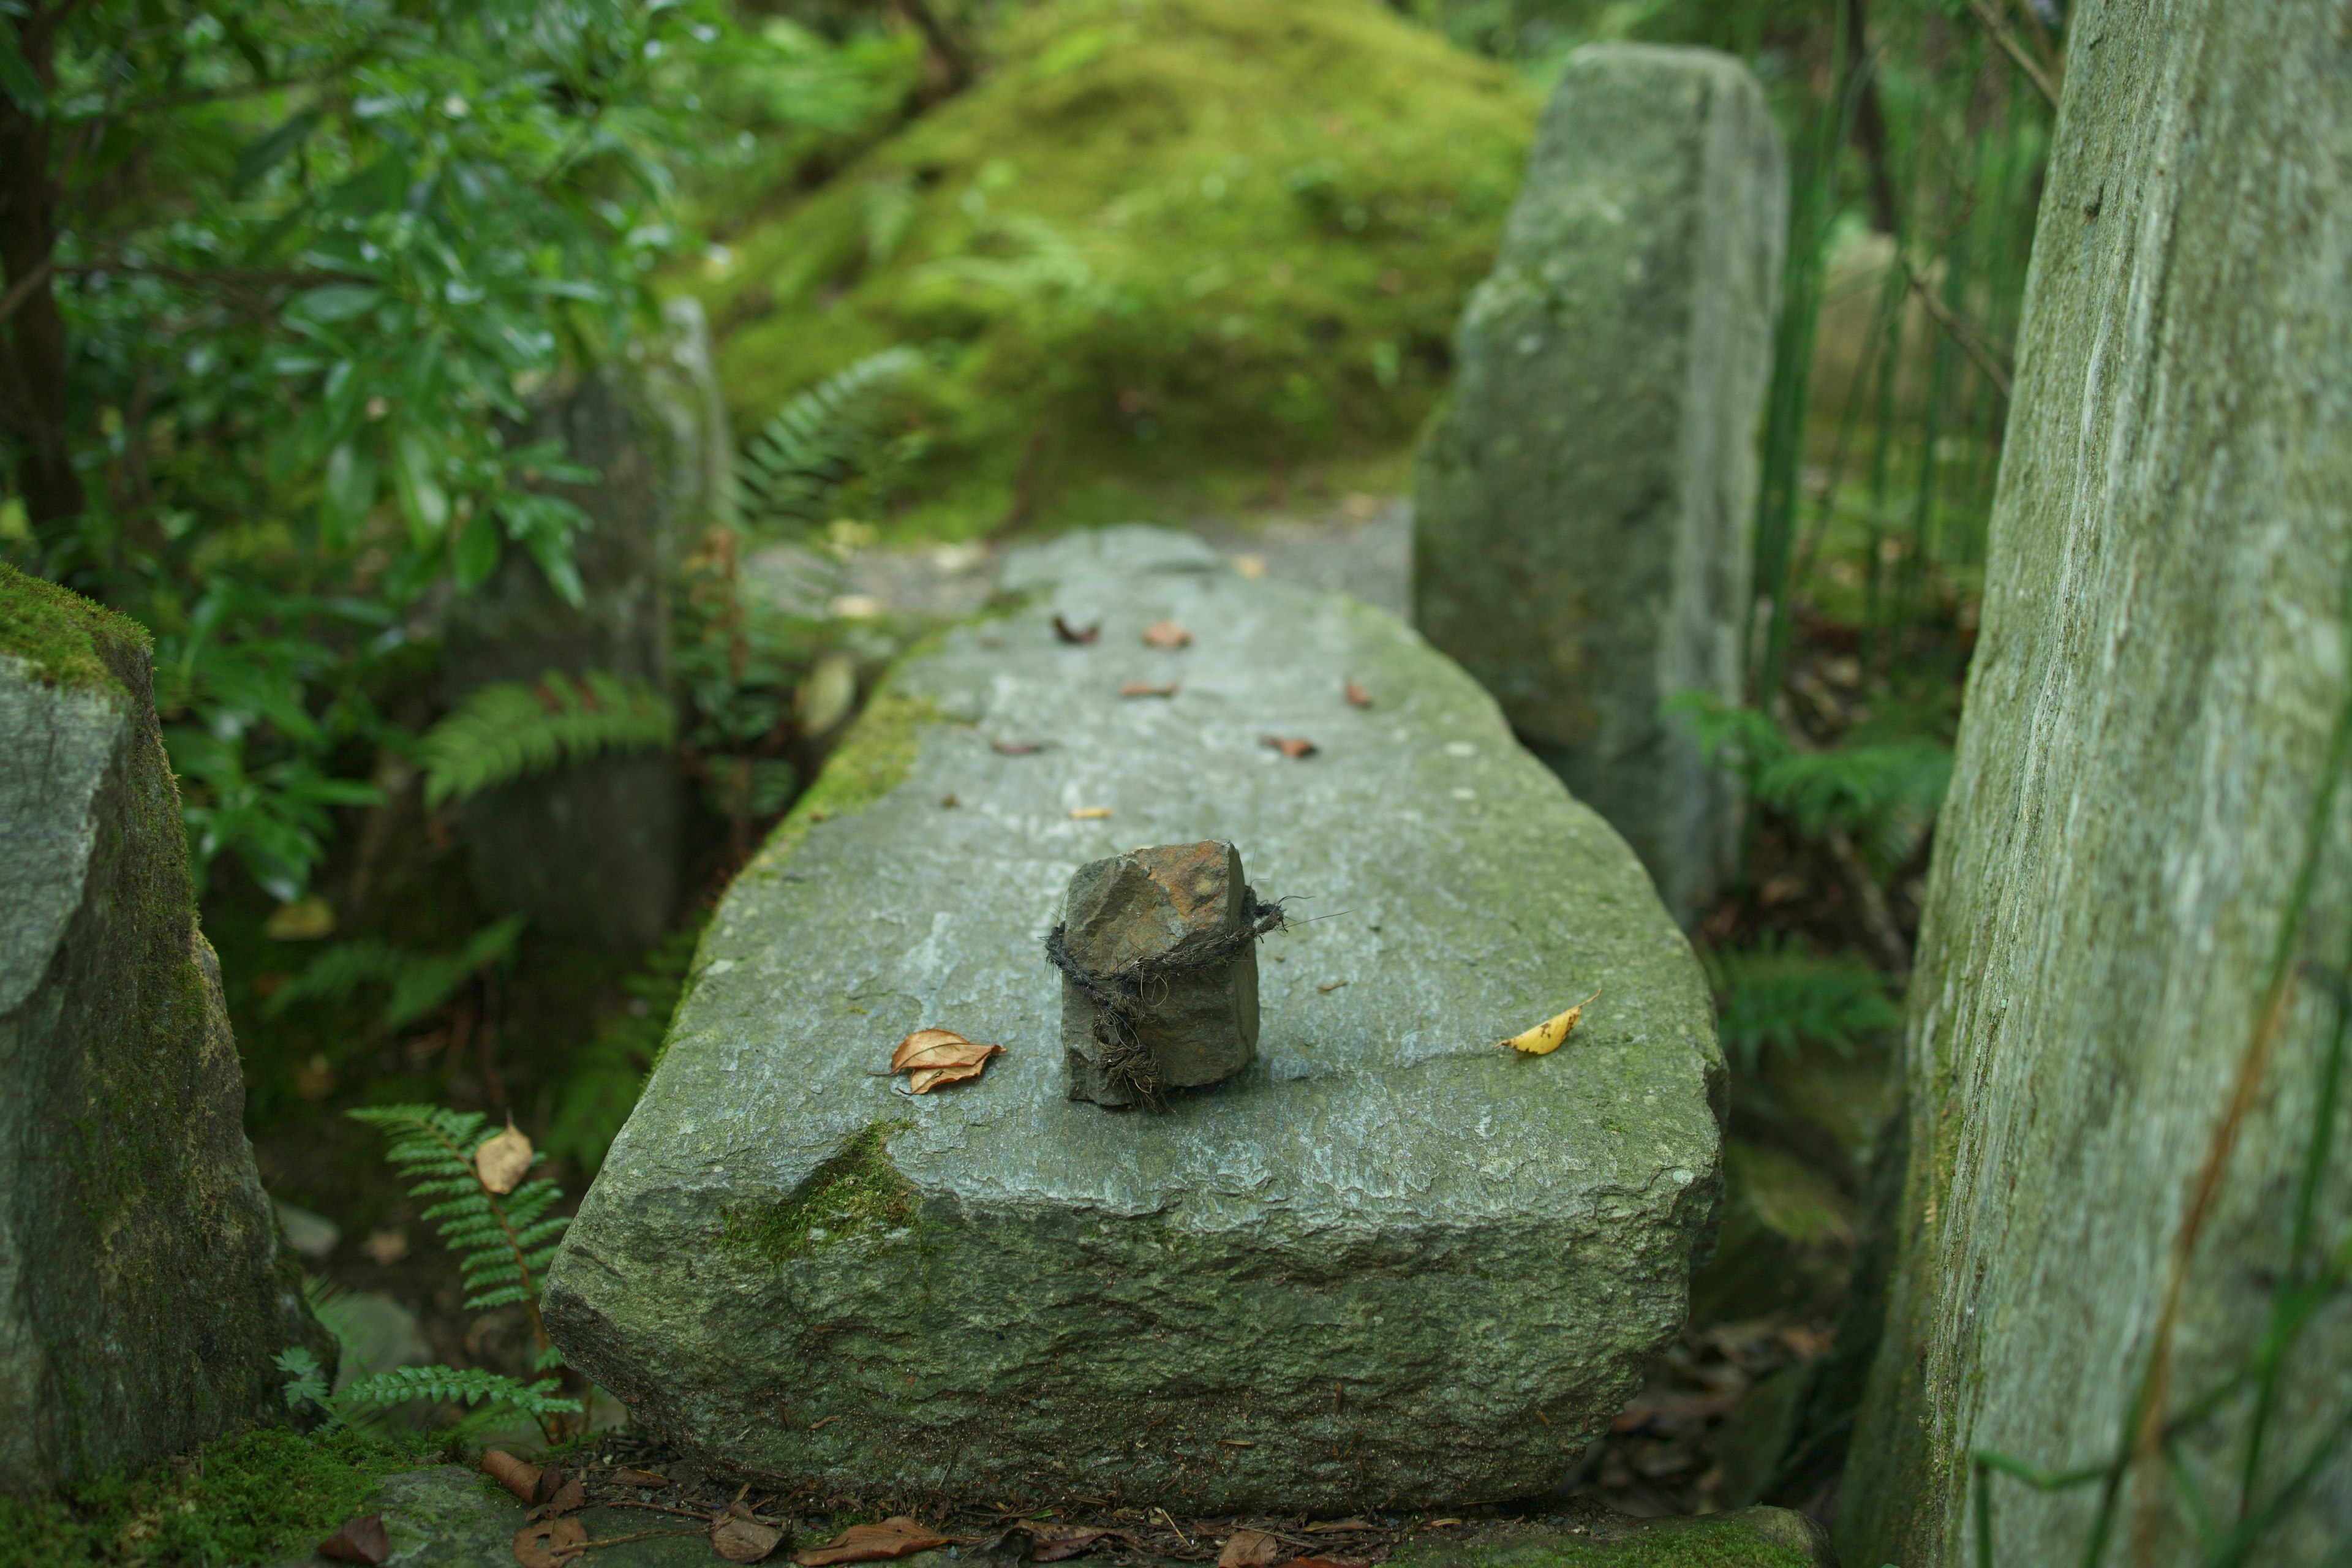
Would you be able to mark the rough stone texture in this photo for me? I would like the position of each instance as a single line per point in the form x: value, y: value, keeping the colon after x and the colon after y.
x: 2146, y: 736
x: 1750, y: 1538
x: 142, y: 1288
x: 447, y: 1516
x: 593, y: 851
x: 1145, y: 906
x: 1400, y: 1261
x: 1582, y: 515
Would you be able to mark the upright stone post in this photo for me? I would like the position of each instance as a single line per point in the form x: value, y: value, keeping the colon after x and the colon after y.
x: 593, y: 851
x: 2124, y: 1011
x: 1580, y: 531
x: 143, y: 1293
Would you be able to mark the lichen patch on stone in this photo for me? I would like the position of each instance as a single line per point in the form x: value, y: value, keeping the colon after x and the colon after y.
x: 858, y: 1192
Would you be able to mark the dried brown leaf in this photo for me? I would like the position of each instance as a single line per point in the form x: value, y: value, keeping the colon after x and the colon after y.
x: 517, y: 1475
x: 933, y: 1057
x: 1358, y: 696
x: 360, y: 1539
x: 1167, y: 635
x: 744, y: 1540
x: 1146, y: 689
x: 1343, y: 1527
x: 894, y: 1537
x: 1250, y: 1548
x: 1053, y: 1545
x: 549, y: 1483
x: 1291, y: 746
x: 549, y: 1543
x: 631, y: 1478
x: 566, y: 1498
x: 1069, y: 632
x: 501, y: 1162
x: 1017, y: 748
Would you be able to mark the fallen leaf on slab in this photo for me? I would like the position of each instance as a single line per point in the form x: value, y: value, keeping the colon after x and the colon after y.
x: 1443, y: 1523
x: 1167, y: 635
x: 549, y: 1484
x: 1053, y: 1545
x: 1069, y: 632
x: 933, y: 1057
x: 628, y: 1478
x: 1291, y: 746
x: 360, y: 1539
x: 551, y: 1542
x: 895, y: 1536
x: 1090, y: 814
x: 567, y: 1498
x: 1545, y: 1036
x: 501, y: 1162
x: 1356, y: 697
x: 1251, y: 566
x: 1145, y: 689
x: 517, y: 1475
x: 1016, y: 748
x: 1250, y: 1548
x: 744, y: 1540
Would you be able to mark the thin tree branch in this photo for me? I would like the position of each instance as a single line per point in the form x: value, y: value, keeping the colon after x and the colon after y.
x: 22, y: 289
x: 1961, y: 332
x: 2001, y: 35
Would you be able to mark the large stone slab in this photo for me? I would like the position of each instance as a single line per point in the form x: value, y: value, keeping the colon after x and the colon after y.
x: 1389, y: 1260
x: 1581, y: 524
x: 2148, y: 781
x: 142, y: 1290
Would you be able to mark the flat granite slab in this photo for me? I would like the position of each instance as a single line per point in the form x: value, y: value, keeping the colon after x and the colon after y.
x: 1387, y: 1262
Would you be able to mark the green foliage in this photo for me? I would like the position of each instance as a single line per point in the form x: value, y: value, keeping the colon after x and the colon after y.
x: 260, y: 1495
x: 420, y: 982
x: 1886, y: 792
x: 511, y: 730
x: 821, y: 440
x: 1786, y: 996
x: 307, y: 1385
x: 1173, y: 242
x: 603, y: 1081
x: 312, y: 261
x: 502, y: 1241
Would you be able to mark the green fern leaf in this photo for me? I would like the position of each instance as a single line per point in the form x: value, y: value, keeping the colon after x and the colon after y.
x: 1786, y: 996
x: 512, y: 730
x: 419, y: 983
x: 817, y: 442
x: 461, y: 1386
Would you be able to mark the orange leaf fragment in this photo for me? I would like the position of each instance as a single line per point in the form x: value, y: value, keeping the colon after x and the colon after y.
x: 1167, y: 635
x: 1291, y: 746
x: 501, y: 1162
x: 1081, y: 635
x: 549, y: 1543
x: 1547, y: 1036
x: 1145, y: 689
x: 895, y: 1536
x: 566, y: 1498
x: 1090, y: 814
x: 360, y: 1539
x: 642, y: 1479
x: 933, y: 1057
x: 1249, y: 1549
x: 517, y: 1475
x: 1358, y: 696
x: 744, y: 1540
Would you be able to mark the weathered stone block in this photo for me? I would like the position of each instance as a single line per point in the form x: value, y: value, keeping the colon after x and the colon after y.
x: 142, y: 1290
x: 593, y: 851
x: 2147, y: 782
x: 1583, y: 509
x: 1148, y: 907
x: 1388, y: 1259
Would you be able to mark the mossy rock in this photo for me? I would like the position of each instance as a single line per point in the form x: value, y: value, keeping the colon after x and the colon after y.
x: 1750, y: 1538
x: 1161, y: 241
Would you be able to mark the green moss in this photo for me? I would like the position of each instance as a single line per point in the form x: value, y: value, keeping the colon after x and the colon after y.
x: 1164, y: 245
x: 253, y: 1497
x: 858, y: 1192
x: 1723, y: 1541
x: 68, y: 641
x: 872, y: 760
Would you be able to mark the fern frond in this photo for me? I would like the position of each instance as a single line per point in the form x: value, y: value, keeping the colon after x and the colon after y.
x: 420, y: 982
x: 1787, y: 996
x: 818, y: 441
x: 460, y: 1385
x: 511, y: 730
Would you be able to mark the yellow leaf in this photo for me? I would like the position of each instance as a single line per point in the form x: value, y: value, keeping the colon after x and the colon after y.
x: 501, y: 1162
x: 1547, y: 1036
x: 933, y: 1057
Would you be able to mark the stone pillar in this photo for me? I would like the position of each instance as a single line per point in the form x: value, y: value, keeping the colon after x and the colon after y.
x: 593, y: 852
x: 143, y: 1292
x: 2144, y: 758
x: 1581, y: 522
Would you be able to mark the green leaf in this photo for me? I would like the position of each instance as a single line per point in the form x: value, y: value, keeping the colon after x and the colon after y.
x: 351, y: 490
x: 477, y: 553
x: 269, y: 150
x: 337, y: 301
x: 416, y: 474
x: 16, y: 78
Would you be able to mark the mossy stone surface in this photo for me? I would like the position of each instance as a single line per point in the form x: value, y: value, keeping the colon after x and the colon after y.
x: 143, y: 1288
x: 1749, y: 1538
x: 1389, y: 1260
x: 1582, y: 506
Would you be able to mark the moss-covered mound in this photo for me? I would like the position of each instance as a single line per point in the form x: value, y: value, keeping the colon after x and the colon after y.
x: 1163, y: 242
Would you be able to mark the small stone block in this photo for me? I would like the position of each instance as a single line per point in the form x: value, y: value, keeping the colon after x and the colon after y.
x: 1153, y: 904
